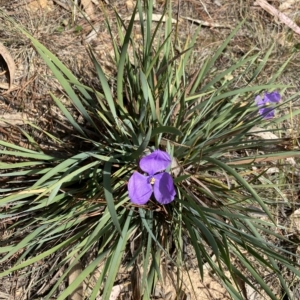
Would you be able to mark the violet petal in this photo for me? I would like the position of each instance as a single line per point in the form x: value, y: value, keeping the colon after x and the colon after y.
x: 139, y: 189
x: 267, y: 112
x: 164, y: 190
x: 273, y: 97
x: 155, y: 162
x: 259, y: 101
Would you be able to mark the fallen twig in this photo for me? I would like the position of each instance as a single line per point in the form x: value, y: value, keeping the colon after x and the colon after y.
x: 282, y: 17
x: 207, y: 24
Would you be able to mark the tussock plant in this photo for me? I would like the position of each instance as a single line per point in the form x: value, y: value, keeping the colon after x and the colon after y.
x: 161, y: 160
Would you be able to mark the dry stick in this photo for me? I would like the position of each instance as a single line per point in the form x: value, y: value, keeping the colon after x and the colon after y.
x: 207, y: 24
x: 282, y: 17
x: 259, y: 159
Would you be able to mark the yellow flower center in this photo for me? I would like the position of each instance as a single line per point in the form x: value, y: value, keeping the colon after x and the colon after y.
x: 152, y: 180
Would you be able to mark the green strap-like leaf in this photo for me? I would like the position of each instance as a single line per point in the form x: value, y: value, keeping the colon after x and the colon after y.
x: 67, y: 115
x: 243, y: 182
x: 142, y: 147
x: 109, y: 196
x: 166, y: 129
x: 41, y: 256
x: 106, y: 89
x: 83, y: 275
x: 122, y: 61
x: 117, y: 257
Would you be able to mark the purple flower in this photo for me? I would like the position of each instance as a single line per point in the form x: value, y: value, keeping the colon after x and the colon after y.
x: 141, y: 187
x: 267, y: 103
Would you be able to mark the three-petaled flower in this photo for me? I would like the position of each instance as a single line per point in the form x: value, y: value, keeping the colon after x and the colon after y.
x: 267, y: 103
x: 141, y: 187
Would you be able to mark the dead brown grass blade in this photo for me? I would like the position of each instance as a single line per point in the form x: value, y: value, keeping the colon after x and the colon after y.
x: 88, y: 8
x: 9, y: 119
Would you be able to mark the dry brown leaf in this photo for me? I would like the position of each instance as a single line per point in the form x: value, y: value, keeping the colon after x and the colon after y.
x: 267, y: 135
x: 282, y: 17
x: 273, y: 170
x: 5, y: 296
x: 93, y: 34
x: 13, y: 119
x: 63, y: 5
x: 115, y: 292
x: 176, y: 169
x: 88, y: 8
x: 295, y: 217
x: 261, y: 133
x: 135, y: 277
x: 36, y: 5
x: 129, y: 4
x: 287, y: 5
x: 77, y: 294
x: 10, y: 64
x: 252, y: 294
x: 6, y: 86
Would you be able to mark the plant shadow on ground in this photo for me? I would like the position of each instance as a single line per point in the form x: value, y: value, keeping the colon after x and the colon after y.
x: 33, y: 101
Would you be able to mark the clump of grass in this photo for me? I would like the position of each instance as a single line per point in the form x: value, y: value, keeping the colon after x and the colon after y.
x: 66, y: 206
